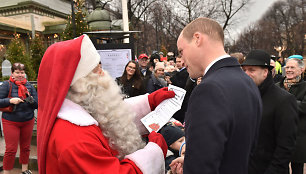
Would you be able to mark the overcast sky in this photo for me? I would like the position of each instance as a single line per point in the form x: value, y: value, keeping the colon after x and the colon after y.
x: 252, y: 14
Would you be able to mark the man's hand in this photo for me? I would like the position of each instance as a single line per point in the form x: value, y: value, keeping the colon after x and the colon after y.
x: 158, y: 139
x: 156, y: 97
x: 177, y: 165
x: 15, y: 101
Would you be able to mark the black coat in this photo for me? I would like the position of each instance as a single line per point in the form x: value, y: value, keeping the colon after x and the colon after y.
x: 180, y: 114
x: 146, y: 77
x: 129, y: 88
x: 154, y: 84
x: 180, y: 78
x: 299, y: 91
x: 24, y: 111
x: 222, y: 121
x: 277, y: 133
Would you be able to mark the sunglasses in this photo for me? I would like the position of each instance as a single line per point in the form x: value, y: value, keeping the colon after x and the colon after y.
x: 19, y: 65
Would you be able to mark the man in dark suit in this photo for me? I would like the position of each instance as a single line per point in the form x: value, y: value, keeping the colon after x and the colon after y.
x: 278, y: 127
x: 179, y: 79
x: 224, y: 110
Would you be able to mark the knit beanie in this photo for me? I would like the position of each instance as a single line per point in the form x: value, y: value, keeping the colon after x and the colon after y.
x: 171, y: 134
x: 159, y: 65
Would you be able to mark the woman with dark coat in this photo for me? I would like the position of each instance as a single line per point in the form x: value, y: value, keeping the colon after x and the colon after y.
x: 17, y: 125
x: 131, y: 81
x: 294, y: 84
x: 157, y: 80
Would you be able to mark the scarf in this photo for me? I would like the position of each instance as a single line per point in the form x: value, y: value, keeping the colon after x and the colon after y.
x: 22, y: 90
x: 288, y: 83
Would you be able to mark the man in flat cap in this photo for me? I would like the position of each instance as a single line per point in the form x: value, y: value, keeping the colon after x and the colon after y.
x: 278, y: 127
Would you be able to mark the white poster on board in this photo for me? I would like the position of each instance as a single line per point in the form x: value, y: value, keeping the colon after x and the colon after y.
x: 114, y: 61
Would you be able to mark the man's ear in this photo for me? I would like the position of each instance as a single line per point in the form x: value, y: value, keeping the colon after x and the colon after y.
x: 198, y: 38
x: 301, y: 70
x: 266, y: 71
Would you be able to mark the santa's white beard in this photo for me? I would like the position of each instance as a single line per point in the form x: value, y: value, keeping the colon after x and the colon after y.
x: 101, y: 97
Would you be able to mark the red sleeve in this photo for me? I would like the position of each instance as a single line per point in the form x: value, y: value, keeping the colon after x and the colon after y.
x: 91, y: 157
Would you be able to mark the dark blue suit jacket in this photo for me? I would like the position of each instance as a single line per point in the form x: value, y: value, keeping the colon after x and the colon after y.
x: 222, y: 121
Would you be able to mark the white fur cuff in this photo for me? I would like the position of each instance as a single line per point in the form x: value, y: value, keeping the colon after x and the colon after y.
x: 150, y: 159
x: 140, y: 105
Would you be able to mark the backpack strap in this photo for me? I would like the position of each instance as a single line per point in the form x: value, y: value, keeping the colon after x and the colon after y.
x: 9, y: 95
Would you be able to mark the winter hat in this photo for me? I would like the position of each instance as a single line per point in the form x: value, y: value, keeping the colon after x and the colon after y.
x: 154, y: 56
x: 141, y: 56
x: 296, y: 57
x: 62, y: 65
x: 171, y: 134
x: 170, y: 54
x: 258, y: 58
x: 159, y: 65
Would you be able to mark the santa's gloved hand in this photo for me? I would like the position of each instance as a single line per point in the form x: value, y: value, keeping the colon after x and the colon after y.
x: 156, y: 97
x: 158, y: 139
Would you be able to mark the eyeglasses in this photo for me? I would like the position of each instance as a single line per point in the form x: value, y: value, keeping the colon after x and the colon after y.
x: 18, y: 65
x: 143, y: 60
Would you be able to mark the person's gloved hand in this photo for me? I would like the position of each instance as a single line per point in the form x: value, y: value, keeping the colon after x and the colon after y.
x: 156, y: 97
x: 159, y: 140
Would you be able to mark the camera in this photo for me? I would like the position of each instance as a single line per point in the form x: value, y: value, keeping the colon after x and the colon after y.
x: 29, y: 99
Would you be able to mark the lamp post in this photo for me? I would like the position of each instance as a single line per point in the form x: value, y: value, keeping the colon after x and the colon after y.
x: 125, y: 18
x: 73, y: 18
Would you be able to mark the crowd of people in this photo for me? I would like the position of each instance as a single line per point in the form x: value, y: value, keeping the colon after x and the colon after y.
x: 241, y: 114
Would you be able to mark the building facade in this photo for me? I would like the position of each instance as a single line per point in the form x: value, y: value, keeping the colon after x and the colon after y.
x: 30, y: 17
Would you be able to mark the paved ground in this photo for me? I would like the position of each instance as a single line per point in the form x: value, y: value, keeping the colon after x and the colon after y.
x: 18, y: 171
x: 33, y: 157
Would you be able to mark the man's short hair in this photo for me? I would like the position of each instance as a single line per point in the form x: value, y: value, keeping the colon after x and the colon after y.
x: 239, y: 56
x: 206, y: 26
x: 298, y: 61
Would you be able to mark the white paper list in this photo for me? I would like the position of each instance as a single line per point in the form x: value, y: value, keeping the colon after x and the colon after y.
x: 156, y: 119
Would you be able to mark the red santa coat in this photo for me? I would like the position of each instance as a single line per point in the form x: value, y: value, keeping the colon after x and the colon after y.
x: 83, y: 149
x: 77, y: 145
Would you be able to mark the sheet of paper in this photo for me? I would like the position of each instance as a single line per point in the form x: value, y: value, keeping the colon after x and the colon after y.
x: 156, y: 119
x: 114, y: 61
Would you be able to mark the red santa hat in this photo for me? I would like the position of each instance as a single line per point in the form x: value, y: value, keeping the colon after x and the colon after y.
x: 62, y: 65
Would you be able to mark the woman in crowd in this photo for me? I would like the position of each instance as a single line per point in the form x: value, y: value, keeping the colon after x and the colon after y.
x: 157, y: 79
x: 295, y: 84
x: 131, y: 82
x: 17, y: 125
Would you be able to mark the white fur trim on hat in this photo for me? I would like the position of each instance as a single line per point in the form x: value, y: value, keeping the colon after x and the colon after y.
x: 90, y: 58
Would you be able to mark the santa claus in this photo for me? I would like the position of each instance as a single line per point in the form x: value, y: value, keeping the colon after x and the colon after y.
x: 83, y: 124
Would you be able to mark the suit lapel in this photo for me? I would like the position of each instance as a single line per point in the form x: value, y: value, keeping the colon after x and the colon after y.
x: 226, y: 62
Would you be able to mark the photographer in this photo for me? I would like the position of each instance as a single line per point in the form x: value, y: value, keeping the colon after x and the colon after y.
x: 17, y: 125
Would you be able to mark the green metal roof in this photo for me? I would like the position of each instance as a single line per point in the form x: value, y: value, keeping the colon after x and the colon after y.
x: 12, y: 28
x: 30, y: 7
